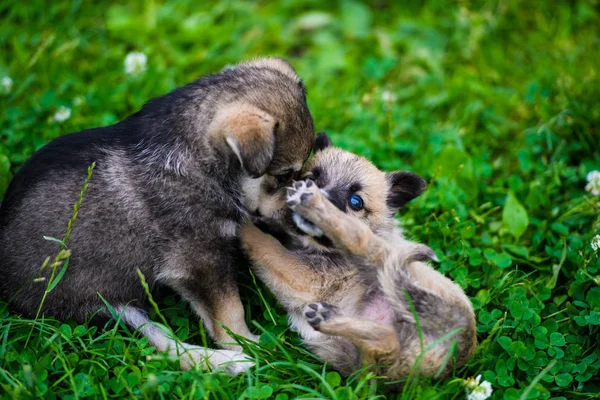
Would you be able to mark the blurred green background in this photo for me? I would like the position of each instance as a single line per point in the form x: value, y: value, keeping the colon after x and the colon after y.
x: 494, y: 102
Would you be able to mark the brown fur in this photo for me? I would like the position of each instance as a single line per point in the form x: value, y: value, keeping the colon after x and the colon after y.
x: 331, y: 289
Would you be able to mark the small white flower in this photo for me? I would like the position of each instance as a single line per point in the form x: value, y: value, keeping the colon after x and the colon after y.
x: 135, y: 63
x: 151, y: 380
x: 593, y: 185
x: 388, y: 97
x: 472, y: 383
x: 62, y: 114
x: 6, y: 84
x: 477, y: 390
x: 314, y: 20
x: 596, y: 243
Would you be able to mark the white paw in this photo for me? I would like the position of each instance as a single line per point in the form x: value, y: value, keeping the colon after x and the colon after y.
x: 302, y: 193
x: 306, y: 226
x: 232, y: 362
x: 300, y: 196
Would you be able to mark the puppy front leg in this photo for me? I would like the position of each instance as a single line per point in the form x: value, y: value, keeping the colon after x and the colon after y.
x: 203, y: 273
x: 284, y: 273
x: 242, y: 130
x: 377, y: 342
x: 346, y: 231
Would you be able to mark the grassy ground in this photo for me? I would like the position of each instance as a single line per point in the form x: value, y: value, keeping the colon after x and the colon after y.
x: 496, y: 103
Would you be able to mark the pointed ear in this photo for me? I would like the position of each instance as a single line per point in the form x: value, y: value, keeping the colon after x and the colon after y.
x: 322, y: 141
x: 404, y: 186
x: 245, y: 132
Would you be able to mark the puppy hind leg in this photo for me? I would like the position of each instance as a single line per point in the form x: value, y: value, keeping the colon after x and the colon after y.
x: 229, y: 311
x: 377, y: 342
x: 218, y: 307
x: 232, y: 362
x: 438, y: 316
x: 203, y: 273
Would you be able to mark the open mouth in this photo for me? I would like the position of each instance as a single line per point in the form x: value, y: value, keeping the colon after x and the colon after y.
x: 306, y: 226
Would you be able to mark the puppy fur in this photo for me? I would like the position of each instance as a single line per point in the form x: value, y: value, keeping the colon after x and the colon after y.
x: 347, y: 291
x: 165, y: 198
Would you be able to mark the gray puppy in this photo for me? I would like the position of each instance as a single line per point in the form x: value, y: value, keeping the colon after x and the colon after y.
x: 165, y: 197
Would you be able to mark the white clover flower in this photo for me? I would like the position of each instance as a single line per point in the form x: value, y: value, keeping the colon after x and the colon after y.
x: 62, y: 114
x: 388, y: 97
x: 477, y: 390
x: 6, y: 83
x: 593, y: 185
x: 314, y: 20
x: 135, y: 63
x: 596, y: 243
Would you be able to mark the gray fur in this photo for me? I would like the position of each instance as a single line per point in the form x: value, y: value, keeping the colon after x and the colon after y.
x: 165, y: 197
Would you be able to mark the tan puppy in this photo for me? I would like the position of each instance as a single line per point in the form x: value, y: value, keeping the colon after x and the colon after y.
x: 355, y: 289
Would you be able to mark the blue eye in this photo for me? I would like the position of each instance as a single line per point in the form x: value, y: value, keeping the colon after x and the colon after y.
x: 356, y: 202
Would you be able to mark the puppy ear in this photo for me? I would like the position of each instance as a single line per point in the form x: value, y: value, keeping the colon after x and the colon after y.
x: 246, y: 132
x: 404, y: 186
x: 322, y: 141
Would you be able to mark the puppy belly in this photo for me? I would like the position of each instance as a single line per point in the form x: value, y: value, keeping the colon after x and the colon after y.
x: 378, y: 310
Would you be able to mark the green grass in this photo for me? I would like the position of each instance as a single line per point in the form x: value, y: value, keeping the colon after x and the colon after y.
x: 495, y: 103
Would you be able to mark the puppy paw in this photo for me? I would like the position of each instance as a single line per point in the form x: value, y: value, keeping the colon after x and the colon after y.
x: 232, y: 362
x: 303, y: 198
x: 303, y: 194
x: 317, y: 313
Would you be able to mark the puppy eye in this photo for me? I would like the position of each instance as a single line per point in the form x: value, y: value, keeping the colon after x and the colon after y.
x: 356, y: 202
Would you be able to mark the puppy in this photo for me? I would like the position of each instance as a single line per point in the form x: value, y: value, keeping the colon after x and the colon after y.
x: 165, y: 197
x: 348, y: 278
